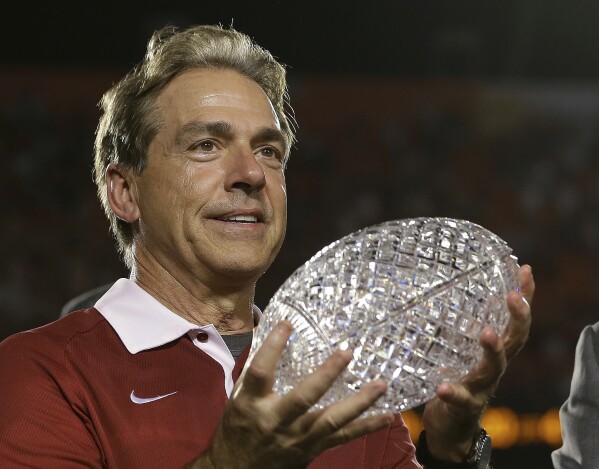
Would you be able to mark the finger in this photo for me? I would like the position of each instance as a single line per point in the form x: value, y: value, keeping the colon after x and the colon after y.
x: 337, y: 416
x: 470, y: 396
x: 527, y: 283
x: 518, y: 328
x: 303, y: 396
x: 484, y: 377
x: 358, y: 428
x: 258, y: 376
x: 462, y: 405
x: 516, y: 333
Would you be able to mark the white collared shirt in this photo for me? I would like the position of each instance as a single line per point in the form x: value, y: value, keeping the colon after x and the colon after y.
x: 143, y: 323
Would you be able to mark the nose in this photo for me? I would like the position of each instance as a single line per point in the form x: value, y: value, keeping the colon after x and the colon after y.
x: 244, y: 172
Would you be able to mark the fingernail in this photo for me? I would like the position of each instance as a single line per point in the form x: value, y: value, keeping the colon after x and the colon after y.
x: 341, y: 357
x: 380, y: 387
x: 284, y: 326
x: 346, y: 357
x: 281, y: 331
x: 389, y: 419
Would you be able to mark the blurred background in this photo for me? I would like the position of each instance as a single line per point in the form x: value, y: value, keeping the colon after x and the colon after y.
x: 486, y: 111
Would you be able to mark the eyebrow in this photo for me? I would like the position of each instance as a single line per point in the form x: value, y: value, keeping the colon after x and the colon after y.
x: 225, y: 130
x: 217, y: 128
x: 268, y: 134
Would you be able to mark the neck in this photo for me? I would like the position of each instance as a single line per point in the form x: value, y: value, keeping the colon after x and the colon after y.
x: 228, y: 309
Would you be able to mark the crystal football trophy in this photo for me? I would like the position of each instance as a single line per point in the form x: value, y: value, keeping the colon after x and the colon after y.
x: 409, y: 298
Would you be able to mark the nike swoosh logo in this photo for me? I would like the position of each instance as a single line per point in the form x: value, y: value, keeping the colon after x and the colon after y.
x: 145, y: 400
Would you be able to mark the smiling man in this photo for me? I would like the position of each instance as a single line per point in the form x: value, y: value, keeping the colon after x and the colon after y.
x: 209, y: 209
x: 190, y: 158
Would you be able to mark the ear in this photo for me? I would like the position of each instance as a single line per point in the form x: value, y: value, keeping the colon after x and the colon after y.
x: 120, y: 194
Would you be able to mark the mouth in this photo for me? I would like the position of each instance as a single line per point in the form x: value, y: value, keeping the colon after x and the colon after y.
x: 240, y: 219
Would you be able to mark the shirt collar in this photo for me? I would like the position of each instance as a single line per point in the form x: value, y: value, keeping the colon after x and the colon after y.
x: 140, y: 320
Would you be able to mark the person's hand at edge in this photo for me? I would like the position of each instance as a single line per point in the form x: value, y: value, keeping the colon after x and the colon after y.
x: 453, y: 417
x: 260, y: 429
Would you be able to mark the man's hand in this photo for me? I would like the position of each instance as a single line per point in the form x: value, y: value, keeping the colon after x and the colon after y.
x: 260, y: 429
x: 452, y: 418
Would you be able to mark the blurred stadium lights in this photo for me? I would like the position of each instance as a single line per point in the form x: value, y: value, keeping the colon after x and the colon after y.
x: 507, y: 428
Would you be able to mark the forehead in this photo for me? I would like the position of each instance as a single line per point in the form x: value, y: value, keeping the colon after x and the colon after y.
x: 214, y: 93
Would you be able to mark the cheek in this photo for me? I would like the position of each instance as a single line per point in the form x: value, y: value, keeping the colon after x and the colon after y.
x: 278, y: 190
x: 284, y: 189
x: 168, y: 197
x: 279, y: 203
x: 198, y: 189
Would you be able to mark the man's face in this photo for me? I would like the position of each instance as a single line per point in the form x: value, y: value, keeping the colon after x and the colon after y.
x: 212, y: 198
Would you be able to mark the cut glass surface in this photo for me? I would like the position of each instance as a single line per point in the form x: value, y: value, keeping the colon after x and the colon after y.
x: 408, y: 297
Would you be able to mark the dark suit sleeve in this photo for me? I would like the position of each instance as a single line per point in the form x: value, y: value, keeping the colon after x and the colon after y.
x: 579, y: 415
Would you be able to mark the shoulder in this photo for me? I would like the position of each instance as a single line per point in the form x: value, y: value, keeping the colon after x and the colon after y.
x: 40, y: 362
x: 49, y: 340
x: 63, y: 328
x: 588, y: 344
x: 43, y: 409
x: 591, y: 333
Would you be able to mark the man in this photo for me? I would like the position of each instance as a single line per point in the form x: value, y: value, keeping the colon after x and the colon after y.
x: 190, y: 157
x: 580, y: 412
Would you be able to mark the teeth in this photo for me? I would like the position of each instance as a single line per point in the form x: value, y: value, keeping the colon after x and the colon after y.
x: 243, y: 218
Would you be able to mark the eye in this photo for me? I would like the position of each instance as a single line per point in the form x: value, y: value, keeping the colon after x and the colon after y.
x: 205, y: 149
x: 269, y: 152
x: 205, y: 145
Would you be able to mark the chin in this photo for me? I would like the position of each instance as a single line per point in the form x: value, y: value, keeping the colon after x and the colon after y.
x: 247, y: 263
x: 243, y: 270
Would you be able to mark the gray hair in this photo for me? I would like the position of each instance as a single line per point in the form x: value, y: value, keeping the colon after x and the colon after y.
x: 129, y: 122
